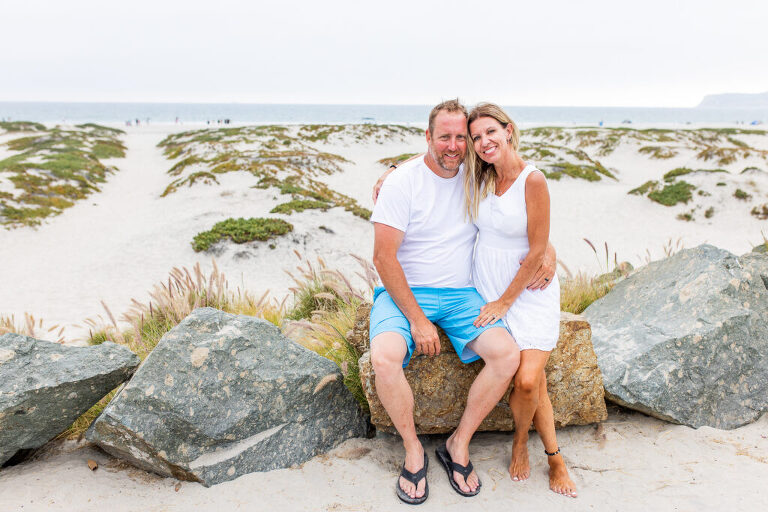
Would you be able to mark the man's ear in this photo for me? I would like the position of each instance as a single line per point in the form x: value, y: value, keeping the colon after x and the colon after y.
x: 429, y: 137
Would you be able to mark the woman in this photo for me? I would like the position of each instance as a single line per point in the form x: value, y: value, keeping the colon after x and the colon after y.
x: 508, y: 200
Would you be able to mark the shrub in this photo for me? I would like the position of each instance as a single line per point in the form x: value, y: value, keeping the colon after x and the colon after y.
x: 740, y: 194
x: 299, y: 205
x: 671, y: 194
x: 241, y: 231
x: 761, y: 212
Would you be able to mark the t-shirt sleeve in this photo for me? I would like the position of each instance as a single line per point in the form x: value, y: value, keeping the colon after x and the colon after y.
x: 393, y: 206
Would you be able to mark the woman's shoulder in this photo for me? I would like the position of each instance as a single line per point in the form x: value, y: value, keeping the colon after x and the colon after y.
x: 535, y: 182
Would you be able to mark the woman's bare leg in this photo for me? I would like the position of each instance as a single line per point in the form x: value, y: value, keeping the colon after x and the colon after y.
x: 544, y: 421
x: 523, y: 402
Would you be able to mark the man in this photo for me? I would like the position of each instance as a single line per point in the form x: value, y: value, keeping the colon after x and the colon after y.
x: 423, y: 253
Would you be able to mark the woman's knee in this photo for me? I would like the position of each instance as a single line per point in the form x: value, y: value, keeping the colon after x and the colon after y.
x: 527, y: 383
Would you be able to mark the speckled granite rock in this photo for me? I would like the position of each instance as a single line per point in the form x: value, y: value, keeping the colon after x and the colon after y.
x: 440, y: 384
x: 685, y: 339
x: 45, y: 387
x: 224, y: 395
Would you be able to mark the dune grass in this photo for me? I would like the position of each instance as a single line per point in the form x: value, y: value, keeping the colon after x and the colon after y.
x: 321, y: 314
x: 241, y: 231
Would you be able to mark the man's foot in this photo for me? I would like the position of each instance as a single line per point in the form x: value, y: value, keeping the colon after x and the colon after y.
x: 559, y: 481
x: 460, y: 455
x: 519, y: 466
x: 415, y: 460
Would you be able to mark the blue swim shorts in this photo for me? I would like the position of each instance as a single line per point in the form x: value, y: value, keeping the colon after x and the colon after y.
x: 452, y: 309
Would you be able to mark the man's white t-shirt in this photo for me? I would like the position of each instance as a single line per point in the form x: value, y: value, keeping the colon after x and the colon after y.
x: 438, y: 243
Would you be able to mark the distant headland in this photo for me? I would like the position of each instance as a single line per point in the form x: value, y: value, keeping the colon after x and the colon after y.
x: 735, y: 100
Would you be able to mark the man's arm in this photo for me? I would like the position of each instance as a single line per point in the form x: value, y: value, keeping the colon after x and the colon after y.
x: 386, y: 243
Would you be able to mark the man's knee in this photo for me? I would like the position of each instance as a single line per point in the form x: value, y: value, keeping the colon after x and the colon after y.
x: 388, y: 350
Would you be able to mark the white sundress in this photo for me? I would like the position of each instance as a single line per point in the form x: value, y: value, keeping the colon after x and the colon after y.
x: 534, y: 318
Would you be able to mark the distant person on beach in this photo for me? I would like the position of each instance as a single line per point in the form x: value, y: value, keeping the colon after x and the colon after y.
x: 513, y: 269
x: 423, y: 252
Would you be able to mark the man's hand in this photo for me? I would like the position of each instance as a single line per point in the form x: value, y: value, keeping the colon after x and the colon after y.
x: 425, y: 336
x: 543, y: 276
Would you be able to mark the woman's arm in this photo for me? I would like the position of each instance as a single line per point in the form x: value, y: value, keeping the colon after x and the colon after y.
x: 383, y: 177
x: 537, y: 206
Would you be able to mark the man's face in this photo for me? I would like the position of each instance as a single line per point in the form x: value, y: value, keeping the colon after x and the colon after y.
x: 447, y: 143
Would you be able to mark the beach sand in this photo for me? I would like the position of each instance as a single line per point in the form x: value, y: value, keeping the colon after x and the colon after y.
x: 631, y: 462
x: 117, y: 244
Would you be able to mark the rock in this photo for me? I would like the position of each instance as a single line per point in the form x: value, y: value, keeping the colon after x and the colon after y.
x: 440, y: 384
x: 45, y: 387
x: 621, y: 271
x: 685, y: 339
x: 224, y: 395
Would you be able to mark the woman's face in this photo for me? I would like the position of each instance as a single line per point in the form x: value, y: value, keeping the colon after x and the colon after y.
x: 489, y: 138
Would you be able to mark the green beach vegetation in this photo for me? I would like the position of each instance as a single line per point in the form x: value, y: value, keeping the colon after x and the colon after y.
x: 241, y: 231
x: 761, y: 212
x: 299, y: 205
x: 396, y: 160
x: 54, y: 168
x: 719, y: 144
x: 278, y: 157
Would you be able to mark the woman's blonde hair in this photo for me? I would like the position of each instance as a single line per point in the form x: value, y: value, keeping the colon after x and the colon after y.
x: 480, y: 177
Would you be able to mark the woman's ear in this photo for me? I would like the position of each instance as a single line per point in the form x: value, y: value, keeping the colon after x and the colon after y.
x: 509, y: 130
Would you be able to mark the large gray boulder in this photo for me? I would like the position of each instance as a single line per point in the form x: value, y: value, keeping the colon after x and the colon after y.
x: 224, y: 395
x: 45, y: 387
x: 685, y: 339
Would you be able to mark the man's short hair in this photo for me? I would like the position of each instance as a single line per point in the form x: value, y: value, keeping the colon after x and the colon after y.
x: 450, y: 106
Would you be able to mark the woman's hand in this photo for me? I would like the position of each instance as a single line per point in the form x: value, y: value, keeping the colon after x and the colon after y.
x: 491, y: 312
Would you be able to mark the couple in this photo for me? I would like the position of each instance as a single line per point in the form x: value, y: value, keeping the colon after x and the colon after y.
x: 428, y: 215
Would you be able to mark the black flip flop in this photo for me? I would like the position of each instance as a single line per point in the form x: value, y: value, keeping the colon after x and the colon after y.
x: 445, y: 459
x: 414, y: 478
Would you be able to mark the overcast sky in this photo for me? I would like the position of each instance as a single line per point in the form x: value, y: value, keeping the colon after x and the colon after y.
x: 573, y: 52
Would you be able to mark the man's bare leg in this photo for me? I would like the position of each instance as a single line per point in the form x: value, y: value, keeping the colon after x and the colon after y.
x: 501, y: 356
x: 388, y: 350
x: 544, y: 421
x: 524, y: 401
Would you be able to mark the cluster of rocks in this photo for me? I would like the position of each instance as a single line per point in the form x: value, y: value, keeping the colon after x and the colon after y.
x: 684, y: 339
x: 220, y: 396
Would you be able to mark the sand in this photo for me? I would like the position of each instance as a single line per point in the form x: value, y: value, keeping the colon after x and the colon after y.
x: 117, y: 244
x: 629, y: 463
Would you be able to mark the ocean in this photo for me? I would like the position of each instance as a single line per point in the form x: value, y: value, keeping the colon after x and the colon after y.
x: 55, y: 112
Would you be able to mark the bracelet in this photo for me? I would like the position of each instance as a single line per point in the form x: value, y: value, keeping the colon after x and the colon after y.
x: 553, y: 453
x: 392, y: 166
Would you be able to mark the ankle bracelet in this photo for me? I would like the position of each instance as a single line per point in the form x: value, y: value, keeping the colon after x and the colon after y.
x: 553, y: 453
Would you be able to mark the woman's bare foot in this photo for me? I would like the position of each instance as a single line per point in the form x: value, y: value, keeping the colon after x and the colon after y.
x: 559, y: 481
x: 519, y: 466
